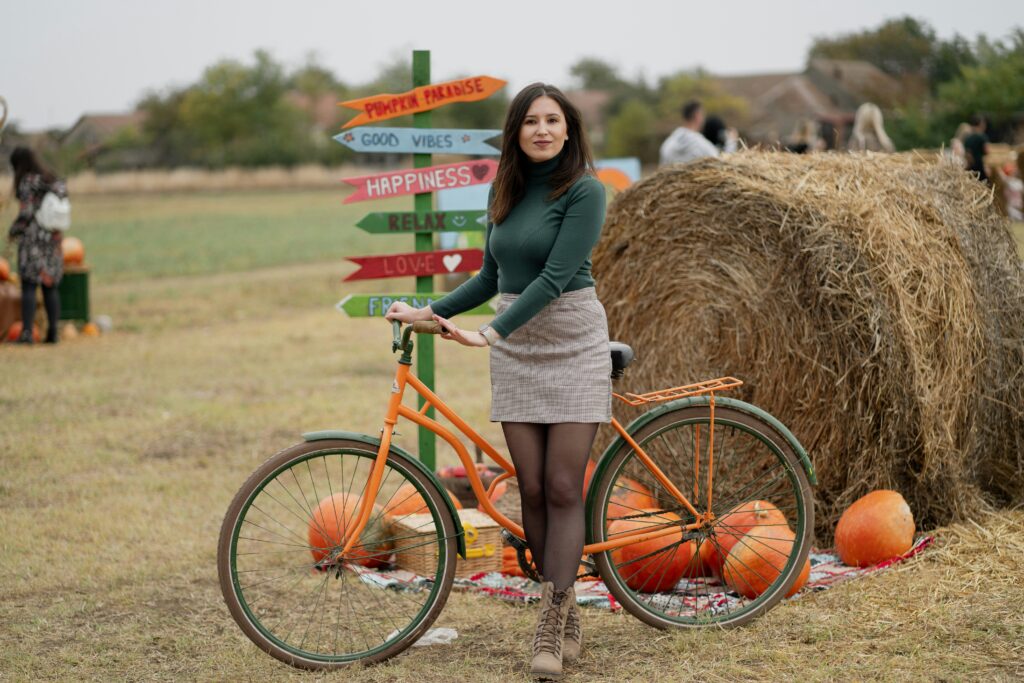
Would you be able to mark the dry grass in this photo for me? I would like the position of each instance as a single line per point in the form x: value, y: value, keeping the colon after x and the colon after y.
x: 120, y: 455
x: 874, y: 303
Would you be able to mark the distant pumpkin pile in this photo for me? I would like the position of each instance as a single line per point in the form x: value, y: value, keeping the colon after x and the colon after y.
x: 74, y: 256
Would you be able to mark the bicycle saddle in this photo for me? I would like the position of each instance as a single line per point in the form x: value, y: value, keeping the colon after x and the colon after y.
x: 622, y: 356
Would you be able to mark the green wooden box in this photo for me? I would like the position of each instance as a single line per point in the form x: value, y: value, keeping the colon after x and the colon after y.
x: 74, y: 294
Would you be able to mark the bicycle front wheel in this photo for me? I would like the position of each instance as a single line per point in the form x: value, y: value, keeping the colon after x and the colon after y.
x: 737, y: 564
x: 282, y: 576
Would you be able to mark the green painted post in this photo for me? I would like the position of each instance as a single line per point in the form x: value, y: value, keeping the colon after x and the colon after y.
x: 424, y: 204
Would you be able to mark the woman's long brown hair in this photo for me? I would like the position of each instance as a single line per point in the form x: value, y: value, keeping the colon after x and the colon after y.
x: 510, y: 181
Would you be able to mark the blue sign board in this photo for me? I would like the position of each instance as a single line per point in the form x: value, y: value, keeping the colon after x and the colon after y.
x: 419, y: 140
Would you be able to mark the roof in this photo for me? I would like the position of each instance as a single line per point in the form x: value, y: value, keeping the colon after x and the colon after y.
x: 591, y: 104
x: 94, y: 129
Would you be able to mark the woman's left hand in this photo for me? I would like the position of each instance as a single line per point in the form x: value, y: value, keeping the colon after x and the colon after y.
x: 464, y: 337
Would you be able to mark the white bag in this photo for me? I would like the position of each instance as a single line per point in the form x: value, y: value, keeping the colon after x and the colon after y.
x: 54, y: 212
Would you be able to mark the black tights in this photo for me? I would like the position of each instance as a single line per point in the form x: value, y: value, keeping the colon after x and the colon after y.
x: 550, y: 462
x: 51, y: 300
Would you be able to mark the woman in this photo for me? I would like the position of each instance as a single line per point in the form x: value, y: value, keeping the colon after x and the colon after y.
x: 869, y: 130
x: 549, y: 355
x: 40, y: 260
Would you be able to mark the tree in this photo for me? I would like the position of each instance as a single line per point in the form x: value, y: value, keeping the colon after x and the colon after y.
x: 993, y: 85
x: 906, y: 48
x: 675, y: 90
x: 592, y: 73
x: 632, y: 132
x: 235, y: 115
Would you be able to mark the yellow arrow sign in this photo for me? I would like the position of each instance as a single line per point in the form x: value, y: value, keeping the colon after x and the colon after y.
x: 423, y: 98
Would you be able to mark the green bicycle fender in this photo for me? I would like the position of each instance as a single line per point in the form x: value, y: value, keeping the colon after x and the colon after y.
x: 651, y: 415
x: 375, y: 442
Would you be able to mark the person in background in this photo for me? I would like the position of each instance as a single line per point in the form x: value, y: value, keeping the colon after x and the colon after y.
x: 976, y: 146
x: 721, y: 136
x: 869, y: 131
x: 686, y: 143
x: 956, y: 153
x: 40, y: 259
x: 805, y: 139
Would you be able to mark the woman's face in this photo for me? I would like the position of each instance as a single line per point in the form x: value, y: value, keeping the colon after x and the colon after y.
x: 544, y: 130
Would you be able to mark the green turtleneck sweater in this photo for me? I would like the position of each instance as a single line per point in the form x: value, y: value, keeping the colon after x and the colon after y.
x: 540, y: 250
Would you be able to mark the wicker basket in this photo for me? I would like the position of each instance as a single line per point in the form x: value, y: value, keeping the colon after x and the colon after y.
x: 483, y: 544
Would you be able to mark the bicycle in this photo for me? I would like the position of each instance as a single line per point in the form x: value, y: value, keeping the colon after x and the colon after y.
x: 307, y: 546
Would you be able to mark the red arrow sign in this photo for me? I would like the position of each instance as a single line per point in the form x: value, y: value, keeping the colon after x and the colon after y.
x: 424, y: 98
x: 414, y: 180
x: 417, y: 263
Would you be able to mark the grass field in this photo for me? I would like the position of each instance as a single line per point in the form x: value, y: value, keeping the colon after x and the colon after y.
x: 120, y: 455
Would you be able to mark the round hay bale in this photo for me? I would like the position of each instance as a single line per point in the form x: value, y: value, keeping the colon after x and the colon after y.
x: 873, y: 303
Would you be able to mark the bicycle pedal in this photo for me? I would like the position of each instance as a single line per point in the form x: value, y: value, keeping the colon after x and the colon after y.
x: 513, y: 540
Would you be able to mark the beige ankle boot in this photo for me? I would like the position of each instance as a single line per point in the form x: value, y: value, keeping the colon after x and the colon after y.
x: 572, y: 641
x: 547, y: 640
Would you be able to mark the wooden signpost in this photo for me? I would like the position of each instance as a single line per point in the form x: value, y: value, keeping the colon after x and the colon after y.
x: 376, y: 305
x: 435, y: 221
x: 420, y: 140
x: 421, y: 181
x: 423, y: 97
x: 417, y: 263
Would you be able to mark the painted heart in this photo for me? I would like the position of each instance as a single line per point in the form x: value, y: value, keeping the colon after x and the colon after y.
x: 451, y: 261
x: 458, y: 221
x: 480, y: 171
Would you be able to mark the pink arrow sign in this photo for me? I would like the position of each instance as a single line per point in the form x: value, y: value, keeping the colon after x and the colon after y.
x: 415, y: 180
x: 416, y: 263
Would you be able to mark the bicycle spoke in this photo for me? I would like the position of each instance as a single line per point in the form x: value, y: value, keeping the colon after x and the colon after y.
x: 744, y: 466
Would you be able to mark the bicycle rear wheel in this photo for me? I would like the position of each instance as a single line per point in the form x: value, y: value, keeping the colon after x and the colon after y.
x: 733, y: 568
x: 282, y: 577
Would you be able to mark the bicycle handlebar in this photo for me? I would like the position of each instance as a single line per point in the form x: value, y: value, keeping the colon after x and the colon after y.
x: 399, y: 340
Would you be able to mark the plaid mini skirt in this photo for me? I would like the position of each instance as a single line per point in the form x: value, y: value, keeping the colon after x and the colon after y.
x: 557, y: 367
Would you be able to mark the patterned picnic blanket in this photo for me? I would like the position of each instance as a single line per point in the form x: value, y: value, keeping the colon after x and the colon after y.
x: 826, y: 571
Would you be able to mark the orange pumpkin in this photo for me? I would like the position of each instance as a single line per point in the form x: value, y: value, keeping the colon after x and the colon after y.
x: 327, y: 530
x: 408, y: 501
x: 758, y: 558
x: 731, y: 527
x: 510, y: 561
x: 656, y: 573
x: 499, y: 491
x: 5, y: 270
x: 74, y: 251
x: 90, y: 330
x: 14, y: 331
x: 629, y: 497
x: 875, y: 528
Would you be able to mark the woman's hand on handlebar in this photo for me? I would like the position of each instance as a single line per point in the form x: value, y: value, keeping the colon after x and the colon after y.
x: 464, y: 337
x: 405, y: 313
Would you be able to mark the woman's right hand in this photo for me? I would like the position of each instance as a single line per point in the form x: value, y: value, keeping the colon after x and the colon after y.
x: 405, y: 313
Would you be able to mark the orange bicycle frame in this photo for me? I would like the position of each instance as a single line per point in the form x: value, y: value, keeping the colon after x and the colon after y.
x: 404, y: 378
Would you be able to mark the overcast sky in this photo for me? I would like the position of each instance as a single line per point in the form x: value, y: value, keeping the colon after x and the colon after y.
x: 60, y: 58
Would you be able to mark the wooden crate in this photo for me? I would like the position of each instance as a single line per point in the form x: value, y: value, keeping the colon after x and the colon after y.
x: 483, y: 544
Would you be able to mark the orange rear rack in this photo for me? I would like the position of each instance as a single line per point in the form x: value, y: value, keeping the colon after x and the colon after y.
x: 705, y: 387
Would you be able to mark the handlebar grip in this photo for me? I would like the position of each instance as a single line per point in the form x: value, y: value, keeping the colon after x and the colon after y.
x: 427, y: 327
x: 396, y: 330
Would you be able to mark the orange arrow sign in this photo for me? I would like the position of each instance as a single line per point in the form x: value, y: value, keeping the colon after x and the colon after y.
x: 423, y: 98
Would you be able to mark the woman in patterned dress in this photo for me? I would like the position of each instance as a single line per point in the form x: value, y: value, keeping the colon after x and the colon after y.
x: 40, y: 259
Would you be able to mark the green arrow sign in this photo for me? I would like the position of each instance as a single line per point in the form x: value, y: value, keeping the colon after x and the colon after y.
x: 405, y: 222
x: 376, y: 305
